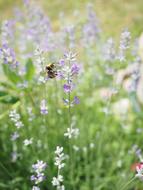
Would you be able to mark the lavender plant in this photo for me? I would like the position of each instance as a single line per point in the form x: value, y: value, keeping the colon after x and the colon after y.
x: 39, y: 98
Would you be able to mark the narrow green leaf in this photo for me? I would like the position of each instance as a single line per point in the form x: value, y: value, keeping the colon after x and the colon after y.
x: 30, y: 70
x: 9, y: 99
x: 11, y: 74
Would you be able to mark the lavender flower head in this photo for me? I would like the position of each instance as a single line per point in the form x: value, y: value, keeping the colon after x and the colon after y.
x: 124, y: 45
x: 91, y: 29
x: 39, y: 169
x: 60, y: 157
x: 14, y: 136
x: 7, y: 55
x: 109, y: 50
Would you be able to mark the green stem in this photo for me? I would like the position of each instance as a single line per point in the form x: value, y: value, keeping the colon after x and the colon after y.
x: 128, y: 183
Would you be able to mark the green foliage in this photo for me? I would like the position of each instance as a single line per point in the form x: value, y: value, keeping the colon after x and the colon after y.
x: 11, y: 74
x: 30, y: 70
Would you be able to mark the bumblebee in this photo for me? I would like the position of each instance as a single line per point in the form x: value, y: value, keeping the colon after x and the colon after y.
x: 51, y: 70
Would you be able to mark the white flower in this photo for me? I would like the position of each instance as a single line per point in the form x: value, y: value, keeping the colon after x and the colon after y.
x: 61, y: 187
x: 14, y: 136
x: 38, y: 51
x: 92, y: 145
x: 56, y: 180
x: 84, y: 149
x: 14, y: 156
x: 59, y: 163
x: 35, y: 188
x: 15, y: 117
x: 19, y: 124
x: 27, y: 142
x: 70, y: 56
x: 72, y: 132
x: 76, y: 148
x: 59, y: 150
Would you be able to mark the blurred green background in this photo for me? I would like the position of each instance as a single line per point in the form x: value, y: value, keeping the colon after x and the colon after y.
x: 113, y: 14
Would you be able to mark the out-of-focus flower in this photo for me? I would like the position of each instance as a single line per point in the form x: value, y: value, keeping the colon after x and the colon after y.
x: 91, y: 145
x: 15, y: 117
x: 43, y: 107
x: 124, y: 45
x: 7, y: 55
x: 57, y: 180
x: 76, y: 148
x: 14, y: 136
x: 35, y: 188
x: 76, y: 100
x: 27, y: 142
x: 60, y: 157
x: 70, y: 56
x: 71, y: 132
x: 30, y: 113
x: 109, y: 50
x: 124, y: 103
x: 91, y: 28
x: 14, y: 156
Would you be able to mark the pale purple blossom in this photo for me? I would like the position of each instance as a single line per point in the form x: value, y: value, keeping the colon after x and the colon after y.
x: 67, y: 88
x: 16, y: 118
x: 7, y: 55
x: 76, y: 100
x: 124, y: 45
x: 15, y: 136
x: 38, y: 169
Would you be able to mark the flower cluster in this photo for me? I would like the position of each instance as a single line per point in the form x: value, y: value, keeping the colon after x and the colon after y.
x: 7, y: 31
x: 124, y: 45
x: 39, y: 176
x: 15, y: 136
x: 57, y: 181
x: 71, y: 132
x: 7, y: 55
x: 43, y: 107
x: 30, y: 114
x: 15, y: 117
x: 39, y: 59
x: 68, y: 70
x: 27, y: 142
x: 109, y: 50
x: 91, y: 28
